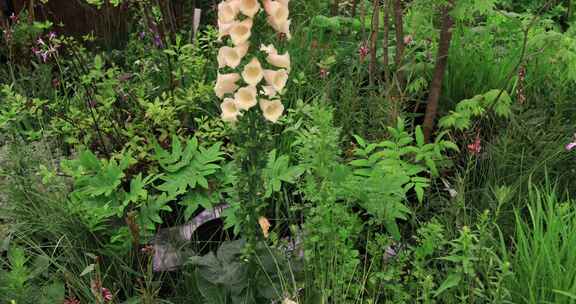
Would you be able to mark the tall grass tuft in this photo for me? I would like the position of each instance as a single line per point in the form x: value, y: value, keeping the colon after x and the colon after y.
x: 544, y: 259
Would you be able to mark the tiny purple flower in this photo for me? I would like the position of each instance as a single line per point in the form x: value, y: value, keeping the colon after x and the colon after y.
x: 142, y: 35
x: 51, y: 35
x: 44, y: 56
x: 158, y: 42
x: 40, y: 41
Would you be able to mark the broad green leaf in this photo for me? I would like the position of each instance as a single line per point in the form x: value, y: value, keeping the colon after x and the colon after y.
x: 451, y: 281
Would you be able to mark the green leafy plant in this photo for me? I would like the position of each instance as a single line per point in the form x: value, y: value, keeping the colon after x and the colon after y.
x: 225, y: 277
x: 21, y: 280
x: 461, y: 118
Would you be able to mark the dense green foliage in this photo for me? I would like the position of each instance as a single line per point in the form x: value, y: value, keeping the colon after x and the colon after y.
x: 343, y: 200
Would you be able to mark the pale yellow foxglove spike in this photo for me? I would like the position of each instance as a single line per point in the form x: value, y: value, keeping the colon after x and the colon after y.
x: 226, y: 84
x: 241, y: 31
x: 276, y: 79
x: 249, y: 7
x: 230, y: 110
x: 246, y: 97
x: 253, y: 73
x: 271, y: 109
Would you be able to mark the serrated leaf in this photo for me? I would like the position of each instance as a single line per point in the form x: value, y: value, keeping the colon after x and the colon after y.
x: 188, y: 168
x: 278, y: 170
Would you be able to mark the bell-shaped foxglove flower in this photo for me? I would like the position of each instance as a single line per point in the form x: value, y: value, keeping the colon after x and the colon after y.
x: 230, y: 110
x: 249, y: 7
x: 246, y: 97
x: 226, y: 84
x: 253, y: 73
x: 231, y: 56
x: 275, y: 59
x: 227, y: 11
x: 276, y: 79
x: 241, y: 31
x: 271, y: 109
x: 268, y: 91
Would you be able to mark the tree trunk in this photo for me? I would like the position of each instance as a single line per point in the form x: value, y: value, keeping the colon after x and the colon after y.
x: 385, y: 42
x: 439, y: 69
x: 334, y: 9
x: 31, y: 11
x: 363, y: 19
x: 374, y: 40
x: 399, y: 27
x: 354, y: 6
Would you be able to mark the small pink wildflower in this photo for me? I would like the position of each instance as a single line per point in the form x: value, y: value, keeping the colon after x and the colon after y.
x: 14, y: 18
x: 571, y: 145
x: 71, y: 301
x: 106, y: 294
x: 363, y: 51
x: 476, y: 146
x: 324, y: 73
x: 408, y: 39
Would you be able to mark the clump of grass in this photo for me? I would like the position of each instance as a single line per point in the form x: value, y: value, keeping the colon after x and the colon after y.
x: 544, y: 242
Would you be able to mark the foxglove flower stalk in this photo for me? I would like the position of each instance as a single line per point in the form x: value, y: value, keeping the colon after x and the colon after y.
x: 235, y: 20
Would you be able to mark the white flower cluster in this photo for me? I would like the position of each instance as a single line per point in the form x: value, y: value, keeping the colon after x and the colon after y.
x: 235, y: 19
